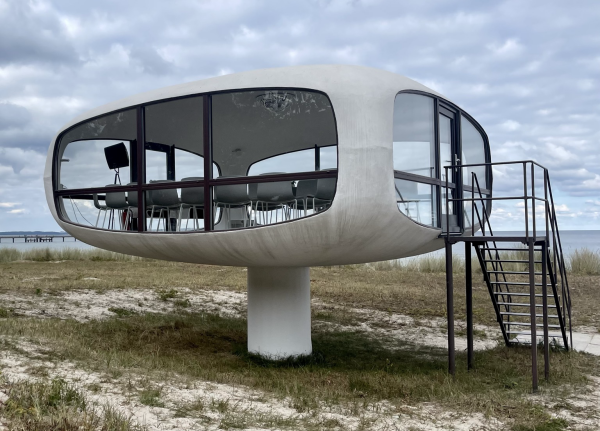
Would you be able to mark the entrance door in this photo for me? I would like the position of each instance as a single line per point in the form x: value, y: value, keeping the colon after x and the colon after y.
x: 448, y: 151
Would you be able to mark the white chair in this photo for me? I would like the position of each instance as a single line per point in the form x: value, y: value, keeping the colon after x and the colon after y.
x: 233, y: 196
x: 192, y: 198
x: 116, y: 202
x: 101, y: 208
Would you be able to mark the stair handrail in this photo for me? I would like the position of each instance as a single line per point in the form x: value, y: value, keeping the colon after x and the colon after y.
x: 559, y: 266
x: 475, y: 184
x: 559, y: 255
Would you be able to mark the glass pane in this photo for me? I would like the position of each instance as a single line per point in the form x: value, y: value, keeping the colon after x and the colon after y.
x: 256, y: 127
x: 417, y: 201
x: 298, y: 161
x: 98, y: 152
x: 258, y: 204
x: 329, y: 158
x: 414, y: 143
x: 445, y: 146
x: 156, y: 166
x: 473, y: 152
x: 174, y: 140
x: 111, y: 210
x: 175, y: 209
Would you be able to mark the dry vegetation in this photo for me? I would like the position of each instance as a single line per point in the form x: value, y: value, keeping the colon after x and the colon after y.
x: 353, y: 380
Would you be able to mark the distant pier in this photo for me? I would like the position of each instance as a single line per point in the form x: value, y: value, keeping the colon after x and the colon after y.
x: 36, y: 238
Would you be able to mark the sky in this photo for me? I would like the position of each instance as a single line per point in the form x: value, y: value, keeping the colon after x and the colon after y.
x: 527, y: 71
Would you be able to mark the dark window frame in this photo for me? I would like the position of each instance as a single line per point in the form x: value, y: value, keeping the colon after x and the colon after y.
x: 441, y: 105
x: 208, y: 182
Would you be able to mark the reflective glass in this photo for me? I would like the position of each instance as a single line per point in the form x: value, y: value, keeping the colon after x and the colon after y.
x: 98, y: 152
x: 473, y: 152
x: 414, y: 139
x: 115, y: 210
x: 270, y: 130
x: 175, y: 209
x: 417, y: 201
x: 445, y: 125
x: 258, y: 204
x: 174, y: 140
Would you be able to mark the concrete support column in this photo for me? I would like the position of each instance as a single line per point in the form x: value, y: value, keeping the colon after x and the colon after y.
x: 279, y: 311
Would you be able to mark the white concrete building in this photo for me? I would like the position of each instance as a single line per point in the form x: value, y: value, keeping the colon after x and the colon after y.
x: 276, y: 170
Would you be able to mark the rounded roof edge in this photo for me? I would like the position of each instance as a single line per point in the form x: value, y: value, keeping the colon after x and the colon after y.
x: 328, y: 77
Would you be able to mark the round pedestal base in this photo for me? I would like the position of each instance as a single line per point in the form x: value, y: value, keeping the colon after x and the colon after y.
x: 279, y: 312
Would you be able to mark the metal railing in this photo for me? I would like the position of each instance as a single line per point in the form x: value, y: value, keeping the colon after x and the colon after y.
x: 553, y: 245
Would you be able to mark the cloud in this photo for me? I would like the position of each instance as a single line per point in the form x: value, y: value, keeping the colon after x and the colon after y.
x: 8, y: 204
x: 528, y: 75
x: 31, y: 32
x: 13, y: 116
x: 150, y: 60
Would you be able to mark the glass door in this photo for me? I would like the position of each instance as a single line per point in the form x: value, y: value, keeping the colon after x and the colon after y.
x: 448, y: 150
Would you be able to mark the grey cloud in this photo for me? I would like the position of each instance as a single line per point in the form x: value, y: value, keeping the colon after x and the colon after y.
x: 30, y: 34
x: 535, y: 64
x: 151, y: 61
x: 13, y: 116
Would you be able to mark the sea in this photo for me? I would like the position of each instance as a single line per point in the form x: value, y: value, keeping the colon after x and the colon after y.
x: 571, y: 240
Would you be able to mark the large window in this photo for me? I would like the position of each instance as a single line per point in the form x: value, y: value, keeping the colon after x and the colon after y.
x: 431, y: 140
x: 414, y: 135
x: 209, y: 162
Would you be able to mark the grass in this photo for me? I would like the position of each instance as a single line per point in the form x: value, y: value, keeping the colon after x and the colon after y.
x: 345, y: 367
x: 349, y: 369
x: 49, y: 255
x: 55, y: 405
x: 585, y: 261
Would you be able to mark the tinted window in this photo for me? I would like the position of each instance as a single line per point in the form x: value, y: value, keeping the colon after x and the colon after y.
x: 414, y: 143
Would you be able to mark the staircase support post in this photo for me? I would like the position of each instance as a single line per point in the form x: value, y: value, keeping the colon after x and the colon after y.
x: 450, y: 307
x: 534, y: 368
x: 469, y: 294
x: 545, y: 309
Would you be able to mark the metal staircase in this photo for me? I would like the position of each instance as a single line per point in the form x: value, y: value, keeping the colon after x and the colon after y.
x: 525, y: 274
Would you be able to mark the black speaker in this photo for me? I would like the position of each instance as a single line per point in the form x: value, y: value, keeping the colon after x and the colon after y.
x: 117, y: 156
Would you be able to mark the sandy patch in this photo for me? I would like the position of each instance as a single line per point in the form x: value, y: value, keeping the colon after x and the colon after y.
x: 221, y: 402
x: 86, y: 305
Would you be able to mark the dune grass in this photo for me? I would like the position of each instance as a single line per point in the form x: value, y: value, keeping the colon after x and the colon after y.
x: 10, y: 254
x: 585, y: 261
x: 56, y: 405
x: 347, y: 368
x: 350, y: 369
x: 581, y: 261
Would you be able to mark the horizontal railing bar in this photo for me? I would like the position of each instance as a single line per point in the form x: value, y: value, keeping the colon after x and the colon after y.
x: 422, y: 179
x: 201, y: 183
x: 498, y: 198
x: 519, y: 162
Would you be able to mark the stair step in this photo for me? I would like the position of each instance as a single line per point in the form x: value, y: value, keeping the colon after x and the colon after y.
x: 523, y: 304
x: 511, y: 261
x: 511, y: 313
x: 513, y: 283
x: 513, y: 272
x: 550, y: 334
x: 526, y: 250
x: 539, y: 325
x: 539, y: 295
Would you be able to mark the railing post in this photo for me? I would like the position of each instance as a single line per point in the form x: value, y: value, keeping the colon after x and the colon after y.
x: 545, y: 309
x: 469, y: 293
x: 473, y: 207
x: 533, y: 201
x: 532, y: 313
x: 450, y: 306
x: 525, y: 200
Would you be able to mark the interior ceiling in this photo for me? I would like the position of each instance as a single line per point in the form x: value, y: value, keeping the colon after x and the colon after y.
x: 253, y: 125
x: 247, y: 126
